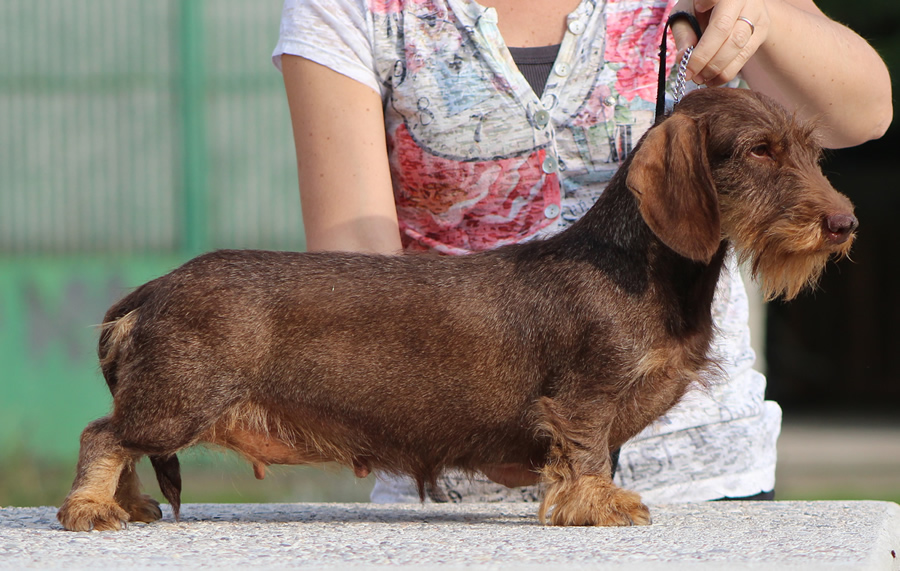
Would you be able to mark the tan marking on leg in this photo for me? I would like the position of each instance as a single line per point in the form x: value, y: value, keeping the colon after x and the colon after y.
x: 591, y: 500
x: 91, y: 503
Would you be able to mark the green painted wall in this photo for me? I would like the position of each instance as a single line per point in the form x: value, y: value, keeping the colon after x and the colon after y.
x: 50, y: 383
x: 132, y: 135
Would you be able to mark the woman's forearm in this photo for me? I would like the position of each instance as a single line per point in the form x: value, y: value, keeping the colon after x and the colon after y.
x: 791, y: 51
x: 823, y: 70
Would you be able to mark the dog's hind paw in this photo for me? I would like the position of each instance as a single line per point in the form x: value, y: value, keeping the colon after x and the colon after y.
x: 80, y: 514
x: 592, y: 501
x: 145, y: 509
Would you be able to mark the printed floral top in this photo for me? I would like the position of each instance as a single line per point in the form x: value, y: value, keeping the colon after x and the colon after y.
x: 478, y: 160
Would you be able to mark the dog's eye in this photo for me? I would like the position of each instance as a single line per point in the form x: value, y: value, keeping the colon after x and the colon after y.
x: 762, y: 151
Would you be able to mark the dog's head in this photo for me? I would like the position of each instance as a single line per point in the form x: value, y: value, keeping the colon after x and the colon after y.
x: 735, y: 165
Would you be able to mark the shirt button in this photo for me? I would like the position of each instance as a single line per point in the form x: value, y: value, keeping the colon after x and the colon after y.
x: 550, y: 164
x: 576, y: 27
x: 552, y: 211
x: 541, y: 118
x: 609, y: 101
x: 562, y: 69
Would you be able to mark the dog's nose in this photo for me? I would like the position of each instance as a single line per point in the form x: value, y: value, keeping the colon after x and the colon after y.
x: 839, y: 227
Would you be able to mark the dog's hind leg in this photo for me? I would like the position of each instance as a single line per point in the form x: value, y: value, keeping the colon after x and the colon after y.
x: 140, y: 507
x: 578, y: 474
x: 101, y: 462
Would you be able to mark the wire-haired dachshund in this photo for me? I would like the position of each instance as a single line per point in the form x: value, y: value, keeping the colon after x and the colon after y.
x: 544, y: 355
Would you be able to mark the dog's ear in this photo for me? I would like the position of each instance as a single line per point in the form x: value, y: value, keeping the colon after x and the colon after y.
x: 671, y: 178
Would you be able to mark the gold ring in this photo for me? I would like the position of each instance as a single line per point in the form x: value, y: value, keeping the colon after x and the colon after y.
x: 752, y: 27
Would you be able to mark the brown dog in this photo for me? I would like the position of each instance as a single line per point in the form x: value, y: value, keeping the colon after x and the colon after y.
x: 544, y: 355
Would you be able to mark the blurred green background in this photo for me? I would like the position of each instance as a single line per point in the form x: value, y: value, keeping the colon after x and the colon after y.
x: 137, y: 133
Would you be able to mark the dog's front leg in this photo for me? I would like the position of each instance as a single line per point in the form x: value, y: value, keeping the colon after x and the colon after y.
x: 578, y: 474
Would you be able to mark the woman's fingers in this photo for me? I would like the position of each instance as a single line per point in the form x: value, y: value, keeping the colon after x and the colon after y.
x: 681, y: 30
x: 732, y: 32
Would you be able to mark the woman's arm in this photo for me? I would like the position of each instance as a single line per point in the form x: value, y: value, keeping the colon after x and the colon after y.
x: 342, y: 163
x: 798, y: 56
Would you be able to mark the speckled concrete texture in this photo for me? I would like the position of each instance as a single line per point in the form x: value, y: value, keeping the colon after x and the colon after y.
x: 717, y: 535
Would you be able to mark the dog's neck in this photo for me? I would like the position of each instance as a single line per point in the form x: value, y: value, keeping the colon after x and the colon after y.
x: 613, y: 237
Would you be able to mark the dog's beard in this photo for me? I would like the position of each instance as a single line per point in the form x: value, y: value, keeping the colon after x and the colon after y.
x: 786, y: 274
x: 785, y: 259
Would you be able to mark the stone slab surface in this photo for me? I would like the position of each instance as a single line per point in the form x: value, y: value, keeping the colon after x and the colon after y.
x: 717, y: 535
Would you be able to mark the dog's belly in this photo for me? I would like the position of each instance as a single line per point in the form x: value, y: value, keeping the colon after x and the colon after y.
x: 263, y: 449
x: 265, y: 437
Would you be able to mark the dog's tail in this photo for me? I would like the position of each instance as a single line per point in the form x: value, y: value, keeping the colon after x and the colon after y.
x: 168, y: 475
x: 115, y: 332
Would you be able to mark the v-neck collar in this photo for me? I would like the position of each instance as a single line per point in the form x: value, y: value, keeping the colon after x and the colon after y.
x: 482, y: 21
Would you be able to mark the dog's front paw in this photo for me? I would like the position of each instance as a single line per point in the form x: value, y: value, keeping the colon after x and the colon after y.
x: 83, y: 514
x: 590, y: 500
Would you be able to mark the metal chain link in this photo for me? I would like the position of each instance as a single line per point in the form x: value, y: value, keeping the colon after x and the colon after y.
x: 678, y: 89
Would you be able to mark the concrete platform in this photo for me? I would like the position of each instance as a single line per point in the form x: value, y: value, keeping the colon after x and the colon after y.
x: 718, y: 535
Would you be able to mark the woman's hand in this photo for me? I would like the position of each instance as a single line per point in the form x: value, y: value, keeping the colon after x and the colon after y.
x: 795, y: 54
x: 733, y: 31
